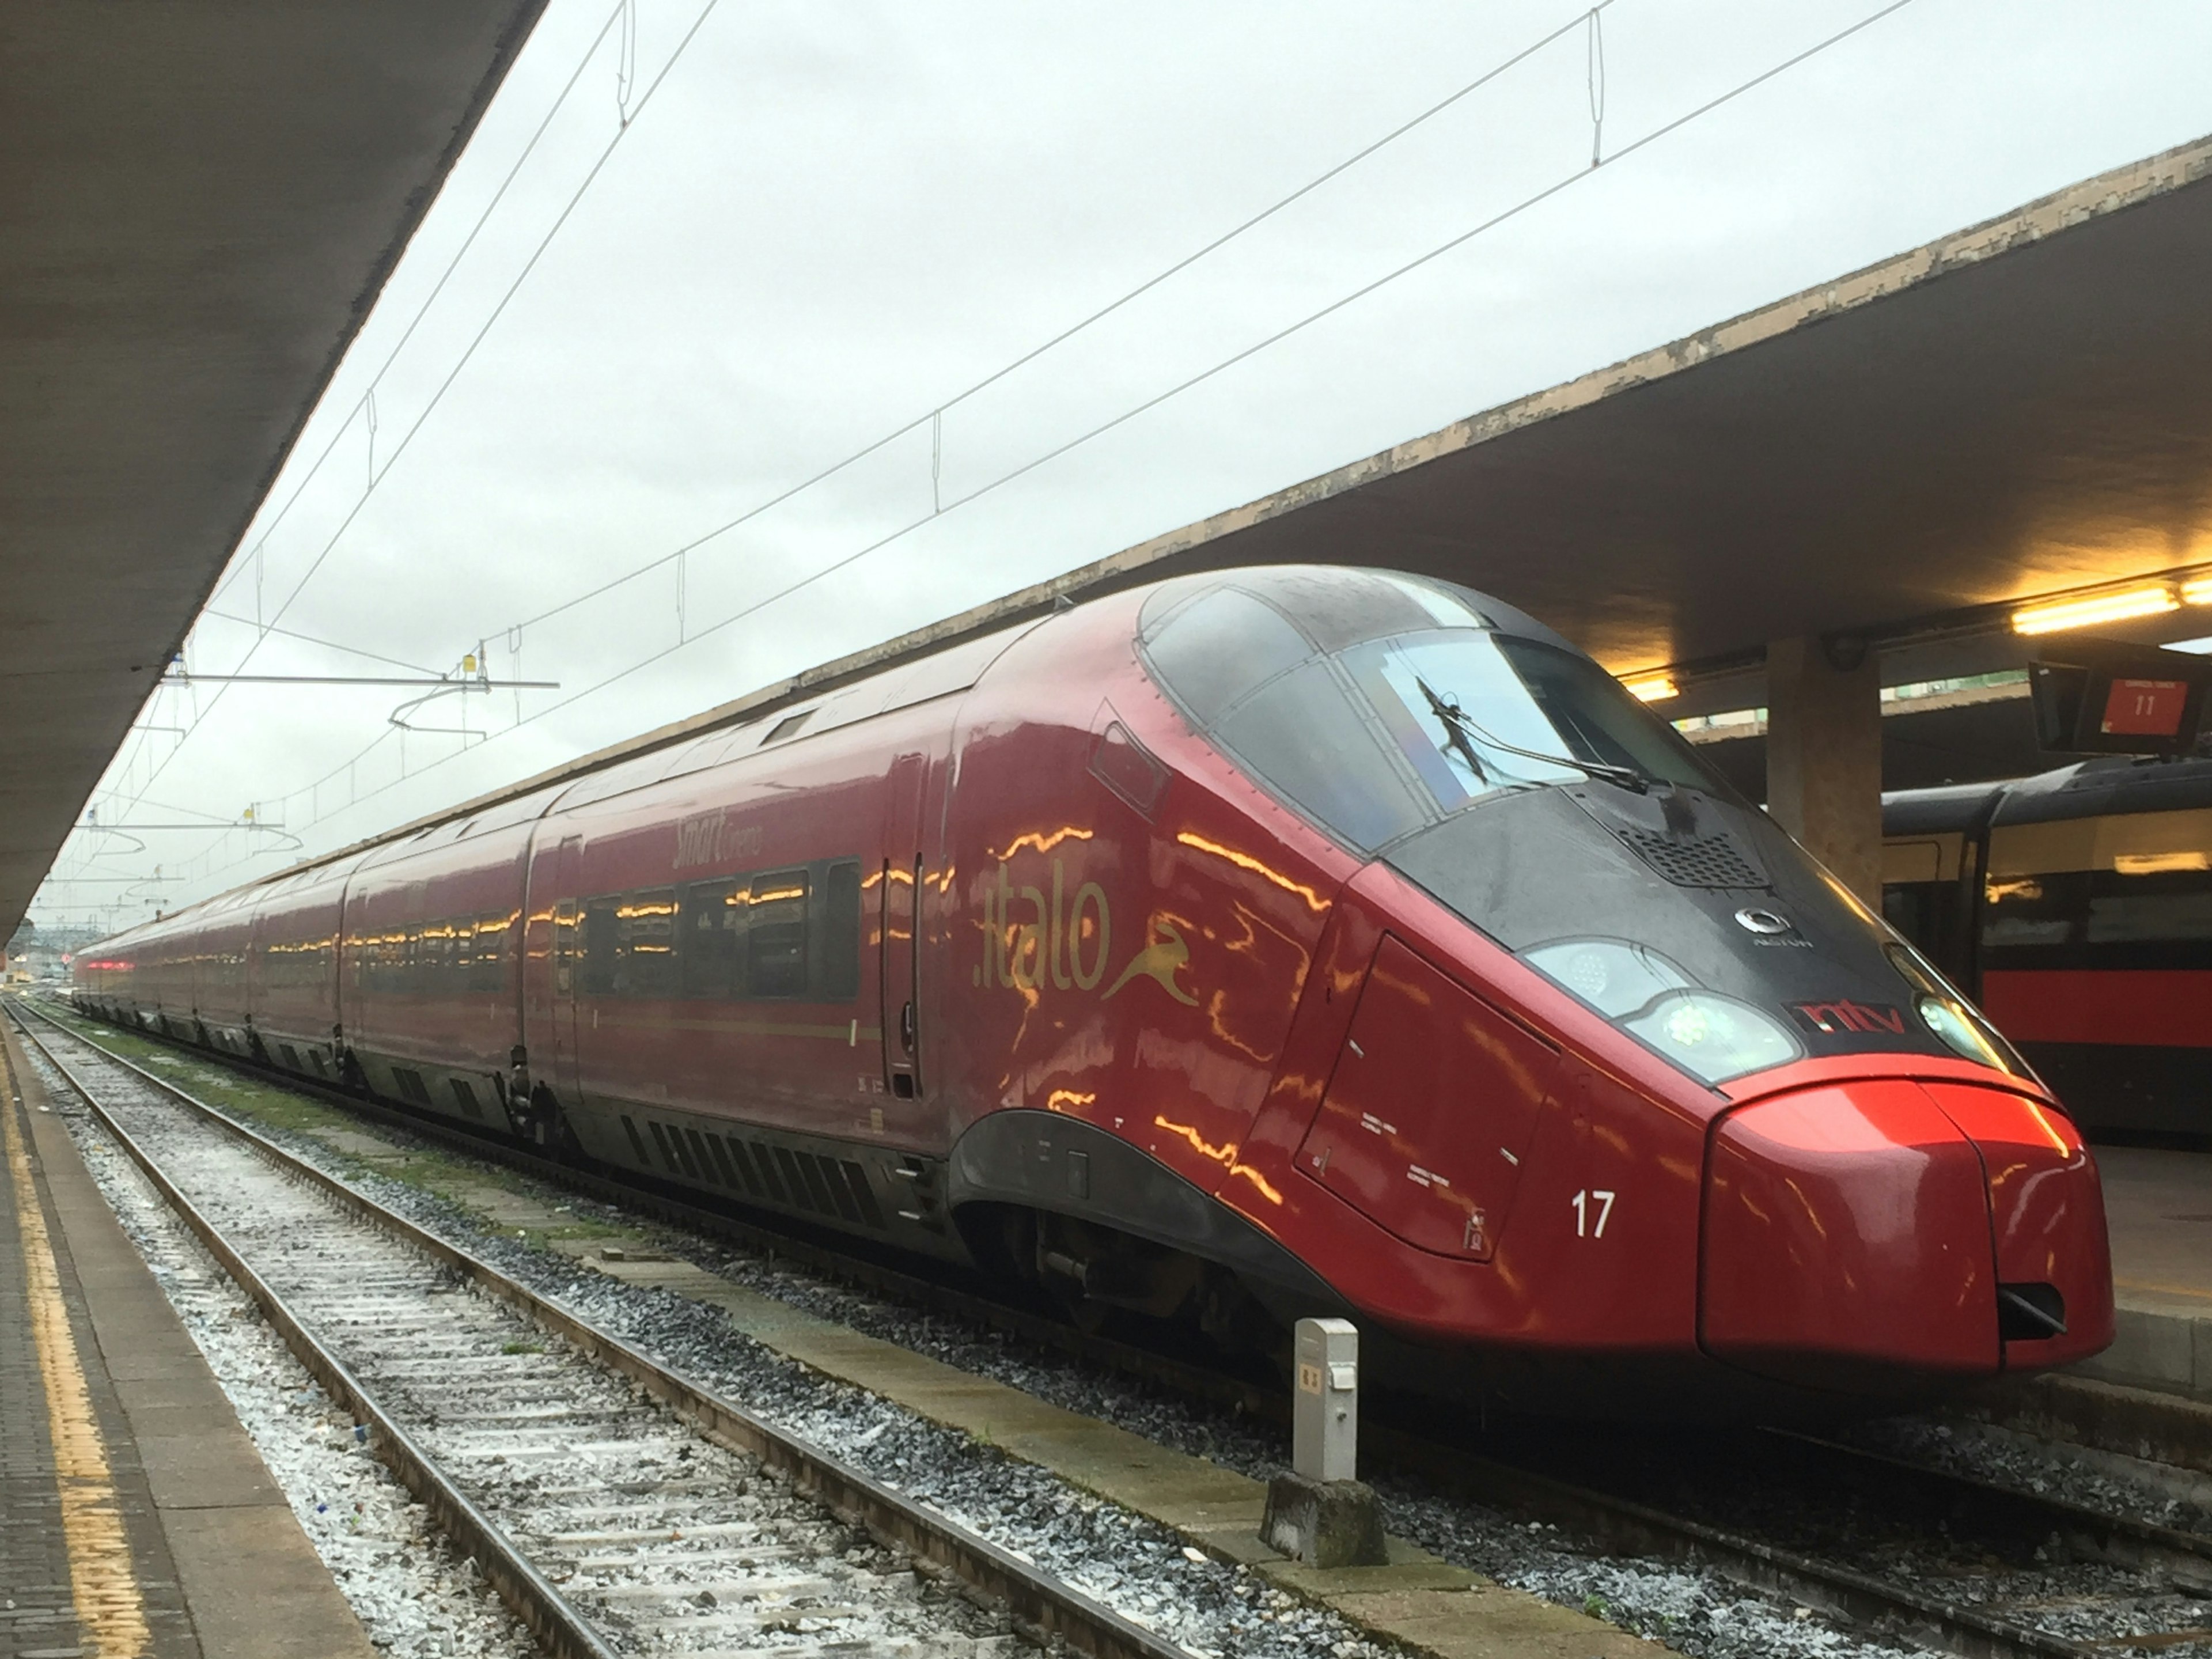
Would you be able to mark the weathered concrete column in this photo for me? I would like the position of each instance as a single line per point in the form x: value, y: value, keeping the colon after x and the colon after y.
x: 1824, y: 756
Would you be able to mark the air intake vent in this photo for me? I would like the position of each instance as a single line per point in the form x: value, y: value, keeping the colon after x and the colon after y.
x: 466, y: 1098
x: 1708, y: 861
x: 410, y: 1084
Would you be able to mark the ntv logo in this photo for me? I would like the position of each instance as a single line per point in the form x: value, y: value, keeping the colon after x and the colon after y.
x: 1067, y: 944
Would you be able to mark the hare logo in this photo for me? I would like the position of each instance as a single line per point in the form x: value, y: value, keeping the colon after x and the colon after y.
x: 1160, y: 959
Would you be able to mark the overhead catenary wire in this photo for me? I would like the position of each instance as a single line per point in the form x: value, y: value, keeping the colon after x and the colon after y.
x: 1595, y: 67
x: 934, y: 417
x: 317, y: 639
x: 483, y: 217
x: 1249, y: 351
x: 477, y: 340
x: 1440, y: 249
x: 623, y: 16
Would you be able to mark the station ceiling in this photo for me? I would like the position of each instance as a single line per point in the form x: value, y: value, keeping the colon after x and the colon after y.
x: 200, y: 206
x: 2017, y: 409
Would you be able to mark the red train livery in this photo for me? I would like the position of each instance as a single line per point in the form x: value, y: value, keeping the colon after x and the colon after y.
x: 1258, y: 943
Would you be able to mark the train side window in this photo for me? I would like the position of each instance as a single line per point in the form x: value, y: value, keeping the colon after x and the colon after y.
x: 648, y: 944
x: 1219, y: 647
x: 1301, y: 733
x: 2045, y: 909
x: 713, y: 936
x: 460, y: 954
x: 601, y: 959
x: 2147, y: 909
x: 840, y: 927
x: 490, y: 972
x: 775, y: 935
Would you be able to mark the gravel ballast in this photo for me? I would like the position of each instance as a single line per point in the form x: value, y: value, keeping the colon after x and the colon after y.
x: 1122, y: 1558
x: 416, y: 1596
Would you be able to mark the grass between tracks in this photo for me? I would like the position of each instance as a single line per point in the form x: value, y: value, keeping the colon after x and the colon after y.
x: 499, y: 1200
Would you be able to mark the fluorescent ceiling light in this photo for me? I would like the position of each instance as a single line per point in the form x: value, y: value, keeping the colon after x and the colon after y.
x: 2059, y: 614
x: 1651, y: 688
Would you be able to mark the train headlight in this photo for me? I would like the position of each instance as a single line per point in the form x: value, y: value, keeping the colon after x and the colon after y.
x: 1714, y: 1037
x: 1612, y: 975
x: 1951, y: 1018
x: 1963, y: 1035
x: 1711, y: 1037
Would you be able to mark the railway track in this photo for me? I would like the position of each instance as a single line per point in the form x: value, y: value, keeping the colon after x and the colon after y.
x: 617, y: 1506
x: 1870, y: 1539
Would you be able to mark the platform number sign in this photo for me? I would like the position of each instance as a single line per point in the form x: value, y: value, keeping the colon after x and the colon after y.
x: 2149, y: 708
x: 1593, y: 1209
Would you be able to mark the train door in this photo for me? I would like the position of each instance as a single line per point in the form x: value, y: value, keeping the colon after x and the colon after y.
x: 898, y: 900
x: 568, y: 969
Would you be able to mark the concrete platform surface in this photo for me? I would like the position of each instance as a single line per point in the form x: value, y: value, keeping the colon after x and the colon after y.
x: 1427, y: 1606
x: 2158, y: 1206
x: 139, y: 1520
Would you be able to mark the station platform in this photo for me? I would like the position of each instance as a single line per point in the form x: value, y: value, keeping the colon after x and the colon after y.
x: 137, y: 1517
x: 2158, y: 1206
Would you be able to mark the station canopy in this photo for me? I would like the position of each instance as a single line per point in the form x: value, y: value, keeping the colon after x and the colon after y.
x: 1901, y: 456
x: 202, y: 203
x: 1904, y: 453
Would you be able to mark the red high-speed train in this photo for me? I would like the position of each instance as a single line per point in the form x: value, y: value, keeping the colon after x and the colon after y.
x: 1258, y: 943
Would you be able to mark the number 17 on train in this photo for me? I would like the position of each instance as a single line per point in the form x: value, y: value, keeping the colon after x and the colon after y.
x: 1589, y: 1200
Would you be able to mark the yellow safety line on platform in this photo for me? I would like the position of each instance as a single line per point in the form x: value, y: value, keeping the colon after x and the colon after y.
x: 104, y: 1586
x: 2195, y: 1293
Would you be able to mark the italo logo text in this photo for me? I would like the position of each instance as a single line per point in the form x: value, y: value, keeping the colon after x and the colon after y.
x: 1032, y: 939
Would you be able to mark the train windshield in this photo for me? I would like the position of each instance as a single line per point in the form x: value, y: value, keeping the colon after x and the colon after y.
x: 1473, y: 711
x: 1378, y: 703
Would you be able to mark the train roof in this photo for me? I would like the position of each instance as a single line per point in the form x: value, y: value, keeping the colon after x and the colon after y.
x: 932, y: 658
x: 2094, y: 788
x: 2089, y: 788
x: 1933, y: 811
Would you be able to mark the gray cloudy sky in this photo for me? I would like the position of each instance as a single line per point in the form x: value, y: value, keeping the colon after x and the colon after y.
x: 828, y: 221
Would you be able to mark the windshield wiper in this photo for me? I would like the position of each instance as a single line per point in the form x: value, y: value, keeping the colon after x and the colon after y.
x: 1461, y: 727
x: 1448, y: 712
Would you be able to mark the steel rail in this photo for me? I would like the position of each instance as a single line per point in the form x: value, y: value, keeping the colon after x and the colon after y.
x: 1042, y: 1606
x: 796, y: 1240
x: 1612, y: 1520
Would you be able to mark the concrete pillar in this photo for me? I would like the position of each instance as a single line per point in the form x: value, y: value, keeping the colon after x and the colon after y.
x: 1824, y: 755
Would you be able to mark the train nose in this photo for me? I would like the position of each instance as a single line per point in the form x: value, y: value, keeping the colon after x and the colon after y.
x: 1884, y: 1234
